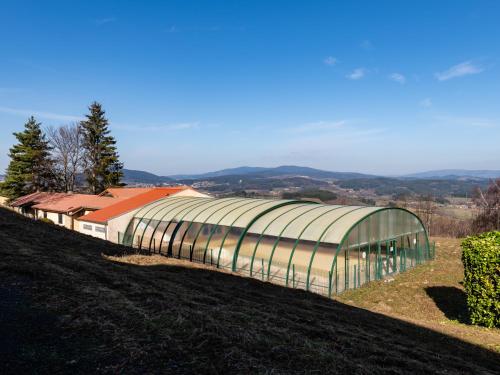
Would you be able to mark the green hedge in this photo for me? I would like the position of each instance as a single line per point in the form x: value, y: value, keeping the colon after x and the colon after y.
x: 481, y: 259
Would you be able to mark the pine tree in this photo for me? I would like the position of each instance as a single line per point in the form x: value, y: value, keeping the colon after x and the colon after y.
x: 29, y: 169
x: 102, y: 166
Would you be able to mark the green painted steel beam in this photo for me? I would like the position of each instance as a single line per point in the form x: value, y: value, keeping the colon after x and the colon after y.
x: 212, y: 232
x: 371, y: 214
x: 151, y: 219
x: 297, y: 241
x: 190, y: 208
x: 150, y: 207
x: 216, y: 202
x: 271, y: 256
x: 160, y: 220
x: 235, y: 200
x: 318, y: 242
x: 229, y: 230
x: 264, y: 231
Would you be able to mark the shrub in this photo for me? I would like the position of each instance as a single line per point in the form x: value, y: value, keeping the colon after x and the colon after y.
x: 481, y: 259
x: 46, y: 221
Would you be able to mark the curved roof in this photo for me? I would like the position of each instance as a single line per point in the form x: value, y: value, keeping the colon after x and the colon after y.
x: 292, y: 219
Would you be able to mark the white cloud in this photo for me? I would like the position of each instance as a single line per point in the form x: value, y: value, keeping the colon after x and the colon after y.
x: 427, y: 102
x: 103, y: 21
x: 398, y: 77
x: 459, y: 70
x: 330, y: 60
x: 477, y: 122
x: 38, y: 114
x: 357, y: 74
x: 318, y: 126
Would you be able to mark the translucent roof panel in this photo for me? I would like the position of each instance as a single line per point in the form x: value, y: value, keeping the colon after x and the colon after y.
x: 288, y: 219
x: 337, y: 231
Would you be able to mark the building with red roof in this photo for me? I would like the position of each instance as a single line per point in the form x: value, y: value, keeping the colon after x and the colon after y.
x: 109, y: 222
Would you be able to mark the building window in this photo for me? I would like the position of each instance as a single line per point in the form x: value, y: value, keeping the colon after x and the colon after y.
x: 44, y: 214
x: 59, y: 218
x: 100, y: 229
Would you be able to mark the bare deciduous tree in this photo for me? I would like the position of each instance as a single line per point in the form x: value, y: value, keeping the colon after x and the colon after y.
x: 489, y: 208
x: 66, y: 142
x: 426, y: 209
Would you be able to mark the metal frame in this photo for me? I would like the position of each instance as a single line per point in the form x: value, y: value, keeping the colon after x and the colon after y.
x: 348, y: 232
x: 216, y: 202
x: 148, y: 208
x: 237, y: 248
x: 189, y: 208
x: 205, y: 222
x: 319, y: 241
x: 215, y: 228
x: 270, y: 261
x: 165, y: 204
x: 298, y: 240
x: 264, y: 231
x: 160, y: 220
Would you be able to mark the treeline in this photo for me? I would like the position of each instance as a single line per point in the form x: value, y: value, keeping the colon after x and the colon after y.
x: 486, y: 219
x: 80, y: 156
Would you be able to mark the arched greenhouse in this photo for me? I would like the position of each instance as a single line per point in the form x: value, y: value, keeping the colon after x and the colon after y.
x: 322, y: 248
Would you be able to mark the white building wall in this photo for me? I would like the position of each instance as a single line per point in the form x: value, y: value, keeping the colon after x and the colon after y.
x: 119, y: 225
x: 92, y: 229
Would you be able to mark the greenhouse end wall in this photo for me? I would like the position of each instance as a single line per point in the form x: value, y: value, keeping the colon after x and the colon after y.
x: 325, y: 249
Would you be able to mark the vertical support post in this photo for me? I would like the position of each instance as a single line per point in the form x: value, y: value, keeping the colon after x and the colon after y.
x: 355, y: 276
x: 330, y: 284
x: 293, y: 275
x: 262, y: 268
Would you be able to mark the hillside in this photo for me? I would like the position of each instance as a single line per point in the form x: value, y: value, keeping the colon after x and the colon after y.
x: 457, y: 173
x: 284, y: 170
x: 71, y: 303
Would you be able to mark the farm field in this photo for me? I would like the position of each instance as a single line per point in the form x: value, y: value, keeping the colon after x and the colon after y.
x: 77, y: 304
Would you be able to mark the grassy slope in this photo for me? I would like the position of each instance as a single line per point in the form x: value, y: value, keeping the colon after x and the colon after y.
x: 66, y: 307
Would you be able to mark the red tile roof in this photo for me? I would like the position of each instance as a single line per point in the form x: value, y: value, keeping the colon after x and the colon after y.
x: 125, y: 192
x: 65, y: 203
x: 127, y: 205
x: 35, y: 198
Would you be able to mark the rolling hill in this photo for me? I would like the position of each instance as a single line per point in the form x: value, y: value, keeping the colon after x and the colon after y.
x: 284, y: 170
x: 70, y: 303
x: 456, y: 174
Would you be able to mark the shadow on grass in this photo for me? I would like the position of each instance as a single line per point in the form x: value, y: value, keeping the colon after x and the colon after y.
x: 68, y: 309
x: 451, y: 301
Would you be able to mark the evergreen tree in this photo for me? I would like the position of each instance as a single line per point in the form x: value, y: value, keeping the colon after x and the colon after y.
x: 29, y: 169
x: 101, y: 164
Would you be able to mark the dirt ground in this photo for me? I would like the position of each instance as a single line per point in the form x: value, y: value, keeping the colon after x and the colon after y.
x: 71, y: 303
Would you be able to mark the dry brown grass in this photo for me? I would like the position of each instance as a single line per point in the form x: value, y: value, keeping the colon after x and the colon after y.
x: 70, y: 303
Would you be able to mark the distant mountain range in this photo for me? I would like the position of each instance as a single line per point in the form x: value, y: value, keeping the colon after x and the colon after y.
x: 285, y: 170
x: 136, y: 176
x: 451, y: 174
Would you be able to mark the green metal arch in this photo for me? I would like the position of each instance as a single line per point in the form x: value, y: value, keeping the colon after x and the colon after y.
x: 168, y: 204
x: 216, y: 226
x: 148, y: 209
x: 245, y: 231
x: 190, y: 208
x: 298, y: 240
x: 271, y: 256
x: 217, y: 201
x: 235, y: 200
x: 229, y: 230
x: 264, y: 231
x: 161, y: 220
x: 348, y: 232
x: 316, y: 246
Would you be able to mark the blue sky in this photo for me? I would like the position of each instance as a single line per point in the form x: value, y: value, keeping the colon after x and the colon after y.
x: 386, y: 87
